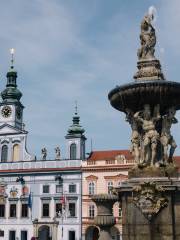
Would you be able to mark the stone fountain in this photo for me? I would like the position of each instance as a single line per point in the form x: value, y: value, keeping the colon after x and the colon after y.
x: 150, y: 197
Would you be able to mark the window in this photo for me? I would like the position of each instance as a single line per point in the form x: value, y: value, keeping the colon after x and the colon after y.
x: 13, y: 210
x: 91, y: 211
x: 24, y: 210
x: 45, y: 188
x: 120, y: 211
x: 58, y: 209
x: 16, y: 155
x: 1, y: 233
x: 45, y: 210
x: 23, y: 235
x: 110, y: 185
x: 59, y: 188
x: 2, y: 210
x: 72, y: 188
x: 91, y: 188
x: 12, y: 235
x: 72, y: 209
x: 72, y: 235
x: 73, y: 151
x: 4, y: 153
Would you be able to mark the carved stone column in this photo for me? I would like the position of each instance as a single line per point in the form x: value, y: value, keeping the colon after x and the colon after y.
x: 104, y: 219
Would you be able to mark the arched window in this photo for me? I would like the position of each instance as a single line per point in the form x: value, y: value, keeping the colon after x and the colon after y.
x: 91, y: 211
x: 91, y: 188
x: 73, y: 151
x: 4, y: 153
x: 16, y: 153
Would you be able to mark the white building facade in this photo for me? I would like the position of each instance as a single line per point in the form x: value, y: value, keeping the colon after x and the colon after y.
x: 39, y: 199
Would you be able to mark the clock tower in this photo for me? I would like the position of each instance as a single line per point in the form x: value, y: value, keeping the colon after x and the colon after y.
x: 12, y: 133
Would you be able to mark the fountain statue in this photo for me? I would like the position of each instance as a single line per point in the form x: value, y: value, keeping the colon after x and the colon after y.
x: 150, y: 198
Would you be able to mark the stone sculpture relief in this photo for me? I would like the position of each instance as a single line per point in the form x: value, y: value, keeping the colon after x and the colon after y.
x: 148, y: 197
x: 44, y: 153
x: 150, y: 129
x: 58, y: 153
x: 147, y: 38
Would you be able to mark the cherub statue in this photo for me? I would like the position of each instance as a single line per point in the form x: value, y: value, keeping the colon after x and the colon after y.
x: 151, y: 136
x: 135, y: 137
x: 58, y: 153
x: 44, y: 153
x: 166, y: 137
x: 147, y: 37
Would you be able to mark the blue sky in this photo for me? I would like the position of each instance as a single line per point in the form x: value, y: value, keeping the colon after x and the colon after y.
x: 79, y: 50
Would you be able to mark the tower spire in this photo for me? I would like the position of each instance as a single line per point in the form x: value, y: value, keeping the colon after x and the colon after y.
x: 76, y: 108
x: 11, y: 92
x: 12, y: 51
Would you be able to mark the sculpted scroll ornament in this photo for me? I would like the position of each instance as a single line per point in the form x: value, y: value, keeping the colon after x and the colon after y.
x: 148, y: 197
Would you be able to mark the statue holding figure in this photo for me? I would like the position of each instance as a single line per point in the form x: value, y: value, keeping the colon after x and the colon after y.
x: 147, y: 38
x: 58, y: 153
x: 166, y: 137
x: 44, y: 153
x: 135, y: 137
x: 151, y: 136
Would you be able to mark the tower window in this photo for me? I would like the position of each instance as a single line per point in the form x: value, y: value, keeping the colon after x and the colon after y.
x: 91, y: 188
x: 4, y: 153
x: 16, y: 153
x: 73, y: 151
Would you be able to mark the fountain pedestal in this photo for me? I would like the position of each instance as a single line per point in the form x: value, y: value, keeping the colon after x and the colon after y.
x: 150, y: 208
x: 104, y: 219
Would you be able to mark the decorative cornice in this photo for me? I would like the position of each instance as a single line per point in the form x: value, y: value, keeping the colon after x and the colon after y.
x: 91, y: 177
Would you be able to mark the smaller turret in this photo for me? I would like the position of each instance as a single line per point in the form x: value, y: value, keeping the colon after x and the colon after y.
x: 75, y: 139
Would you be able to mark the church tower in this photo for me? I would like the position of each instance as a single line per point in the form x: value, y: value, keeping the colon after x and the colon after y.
x: 12, y: 134
x: 75, y: 139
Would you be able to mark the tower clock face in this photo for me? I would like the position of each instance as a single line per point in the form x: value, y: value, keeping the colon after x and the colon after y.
x: 6, y: 111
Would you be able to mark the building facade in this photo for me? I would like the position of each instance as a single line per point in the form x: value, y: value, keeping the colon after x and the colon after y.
x: 100, y: 172
x: 39, y: 199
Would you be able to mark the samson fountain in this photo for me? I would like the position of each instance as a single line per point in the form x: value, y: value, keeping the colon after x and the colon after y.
x: 150, y: 198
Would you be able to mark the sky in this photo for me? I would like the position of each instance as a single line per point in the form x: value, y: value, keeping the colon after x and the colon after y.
x: 76, y: 50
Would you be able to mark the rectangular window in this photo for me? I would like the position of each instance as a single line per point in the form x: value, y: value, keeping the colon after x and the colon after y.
x: 12, y: 210
x: 72, y: 209
x: 59, y: 188
x: 1, y: 233
x: 2, y: 210
x: 45, y: 210
x: 24, y: 210
x: 45, y: 188
x: 58, y: 209
x: 72, y: 188
x: 12, y: 235
x: 23, y: 235
x: 91, y: 211
x: 72, y: 235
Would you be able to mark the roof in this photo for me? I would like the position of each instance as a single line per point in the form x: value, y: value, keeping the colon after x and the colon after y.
x: 177, y: 161
x: 108, y: 155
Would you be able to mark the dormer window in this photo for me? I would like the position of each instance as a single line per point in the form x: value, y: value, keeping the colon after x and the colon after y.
x: 4, y: 153
x: 73, y: 151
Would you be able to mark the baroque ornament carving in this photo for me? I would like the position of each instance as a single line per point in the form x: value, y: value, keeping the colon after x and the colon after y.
x: 149, y: 198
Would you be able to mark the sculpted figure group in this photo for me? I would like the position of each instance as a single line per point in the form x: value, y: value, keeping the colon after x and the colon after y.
x: 151, y: 135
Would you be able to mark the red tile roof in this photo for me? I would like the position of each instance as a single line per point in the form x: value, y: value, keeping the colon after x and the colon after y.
x: 177, y: 161
x: 108, y: 155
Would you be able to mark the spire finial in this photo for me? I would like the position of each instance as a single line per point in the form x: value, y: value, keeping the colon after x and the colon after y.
x: 12, y: 51
x: 76, y: 107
